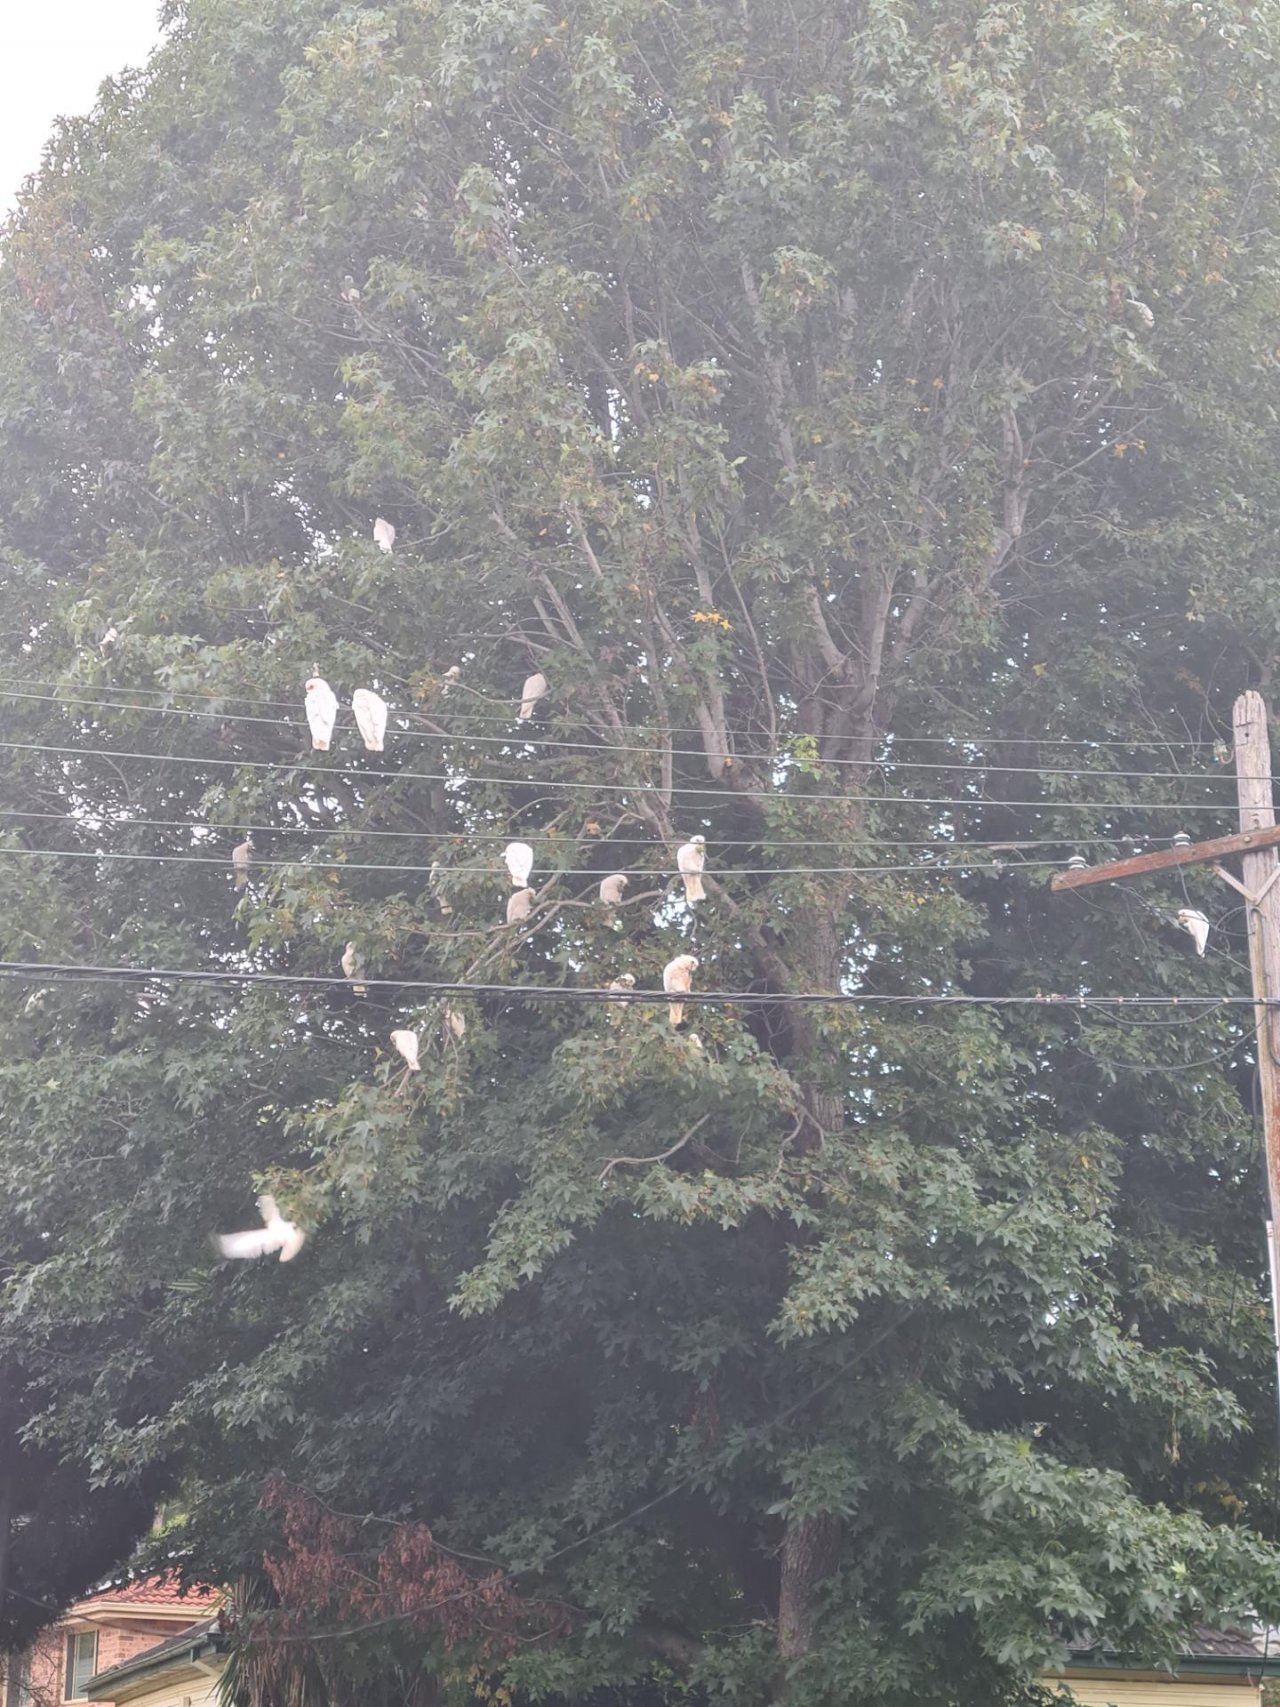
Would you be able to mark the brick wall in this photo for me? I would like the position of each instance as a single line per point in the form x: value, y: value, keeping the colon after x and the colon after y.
x: 119, y: 1639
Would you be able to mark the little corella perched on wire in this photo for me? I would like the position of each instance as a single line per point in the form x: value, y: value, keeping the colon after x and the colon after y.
x: 690, y: 861
x: 535, y: 688
x: 275, y: 1234
x: 371, y: 718
x: 322, y: 712
x: 1196, y: 926
x: 384, y: 535
x: 518, y: 859
x: 677, y: 977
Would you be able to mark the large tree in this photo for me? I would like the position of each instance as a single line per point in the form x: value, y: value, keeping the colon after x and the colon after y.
x: 860, y: 412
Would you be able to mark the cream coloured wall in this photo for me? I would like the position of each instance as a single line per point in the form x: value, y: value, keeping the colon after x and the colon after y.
x: 1156, y: 1691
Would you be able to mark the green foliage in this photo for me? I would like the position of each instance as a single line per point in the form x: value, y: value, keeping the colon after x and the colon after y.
x: 857, y: 411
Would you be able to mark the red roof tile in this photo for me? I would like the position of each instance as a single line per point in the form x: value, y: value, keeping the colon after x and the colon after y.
x: 160, y: 1592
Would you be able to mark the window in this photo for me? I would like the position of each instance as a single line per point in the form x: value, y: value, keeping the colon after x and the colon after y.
x: 17, y: 1680
x: 82, y: 1662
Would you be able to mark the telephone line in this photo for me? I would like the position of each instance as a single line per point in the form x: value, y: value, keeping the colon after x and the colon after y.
x: 702, y: 790
x: 91, y: 817
x: 534, y: 737
x: 746, y: 998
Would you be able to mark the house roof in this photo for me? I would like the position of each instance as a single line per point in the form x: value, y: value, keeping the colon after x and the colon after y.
x: 161, y: 1594
x: 1205, y: 1648
x: 200, y: 1642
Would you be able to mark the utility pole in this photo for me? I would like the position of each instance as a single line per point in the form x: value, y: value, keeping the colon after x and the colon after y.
x: 1257, y: 841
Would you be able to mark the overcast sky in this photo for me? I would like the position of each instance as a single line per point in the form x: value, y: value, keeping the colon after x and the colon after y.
x: 53, y: 55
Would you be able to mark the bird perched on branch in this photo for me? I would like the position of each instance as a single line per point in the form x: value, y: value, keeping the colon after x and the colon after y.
x: 677, y: 978
x: 611, y: 895
x: 450, y: 677
x: 384, y: 534
x: 519, y: 906
x: 455, y: 1024
x: 353, y: 966
x: 405, y: 1044
x: 275, y: 1234
x: 535, y: 688
x: 322, y: 712
x: 690, y: 861
x: 518, y: 858
x: 1196, y: 926
x: 371, y: 718
x: 241, y: 860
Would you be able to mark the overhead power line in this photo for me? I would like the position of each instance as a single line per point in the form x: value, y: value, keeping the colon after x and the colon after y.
x: 701, y: 791
x: 532, y: 735
x: 495, y: 870
x: 11, y: 686
x: 563, y: 992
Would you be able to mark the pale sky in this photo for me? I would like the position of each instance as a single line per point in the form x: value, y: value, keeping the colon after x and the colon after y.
x: 53, y: 55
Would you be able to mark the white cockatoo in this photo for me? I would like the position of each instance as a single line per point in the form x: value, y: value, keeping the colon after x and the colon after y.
x: 350, y: 289
x: 275, y: 1234
x: 384, y: 534
x: 621, y: 984
x: 353, y: 966
x: 405, y: 1044
x: 519, y: 906
x: 518, y: 859
x: 109, y: 639
x: 677, y: 976
x: 1141, y: 313
x: 1196, y: 926
x: 322, y: 712
x: 433, y: 884
x: 535, y: 688
x: 451, y: 675
x: 371, y: 718
x: 690, y: 861
x: 241, y: 860
x: 611, y: 888
x: 456, y: 1024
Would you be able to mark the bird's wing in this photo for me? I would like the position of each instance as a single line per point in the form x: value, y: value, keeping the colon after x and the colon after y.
x: 254, y: 1244
x: 294, y: 1239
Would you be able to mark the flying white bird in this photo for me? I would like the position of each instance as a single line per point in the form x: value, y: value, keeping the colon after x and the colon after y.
x: 534, y: 689
x: 384, y: 534
x: 241, y: 860
x: 322, y: 712
x: 353, y: 966
x: 519, y: 906
x: 1196, y: 926
x: 406, y: 1045
x: 677, y: 976
x: 690, y: 860
x: 371, y: 718
x: 518, y: 858
x: 276, y: 1234
x: 456, y: 1023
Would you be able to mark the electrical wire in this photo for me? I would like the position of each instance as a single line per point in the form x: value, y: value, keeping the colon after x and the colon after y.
x: 624, y: 788
x: 564, y: 992
x: 922, y: 869
x: 530, y: 738
x: 91, y: 816
x: 291, y: 707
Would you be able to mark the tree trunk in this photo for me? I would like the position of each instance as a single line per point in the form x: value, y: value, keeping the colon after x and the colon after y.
x: 810, y: 1553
